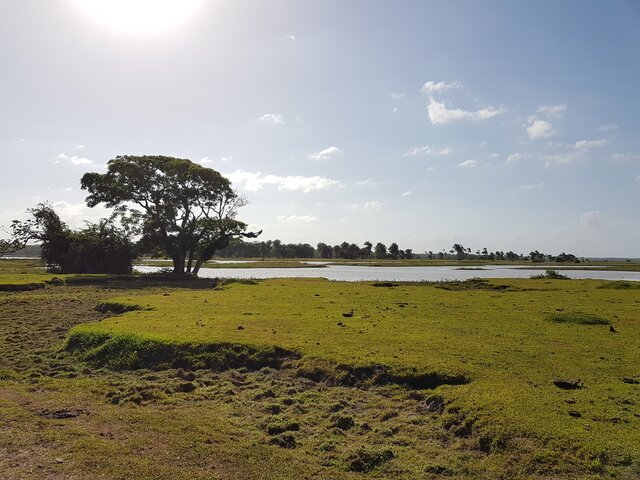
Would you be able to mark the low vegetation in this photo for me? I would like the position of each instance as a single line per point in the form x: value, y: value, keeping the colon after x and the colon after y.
x: 550, y: 274
x: 316, y: 379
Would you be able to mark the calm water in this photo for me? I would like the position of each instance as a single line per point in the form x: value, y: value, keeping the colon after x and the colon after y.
x: 351, y: 273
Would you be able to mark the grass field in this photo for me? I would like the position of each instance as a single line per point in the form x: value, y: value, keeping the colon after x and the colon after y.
x: 317, y: 379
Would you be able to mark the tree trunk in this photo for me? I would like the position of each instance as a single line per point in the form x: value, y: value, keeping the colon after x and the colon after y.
x: 178, y: 264
x: 196, y: 268
x: 190, y: 261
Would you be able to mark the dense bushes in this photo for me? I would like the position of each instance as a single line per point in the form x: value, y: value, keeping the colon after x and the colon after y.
x: 98, y: 248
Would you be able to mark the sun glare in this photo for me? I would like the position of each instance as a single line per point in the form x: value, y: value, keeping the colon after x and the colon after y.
x: 140, y: 17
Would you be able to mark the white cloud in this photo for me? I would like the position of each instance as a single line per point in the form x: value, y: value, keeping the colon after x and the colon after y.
x: 406, y: 194
x: 367, y: 183
x: 427, y: 150
x: 625, y: 157
x: 208, y: 160
x: 532, y: 187
x: 76, y: 214
x: 440, y: 113
x: 79, y: 147
x: 517, y: 157
x: 298, y: 218
x: 563, y: 158
x: 394, y: 110
x: 74, y: 160
x: 372, y: 206
x: 254, y: 181
x: 437, y: 87
x: 580, y: 149
x: 325, y: 154
x: 609, y: 127
x: 397, y: 95
x: 540, y: 129
x: 469, y: 164
x: 290, y: 37
x: 591, y: 219
x: 552, y: 110
x: 272, y: 118
x: 589, y: 144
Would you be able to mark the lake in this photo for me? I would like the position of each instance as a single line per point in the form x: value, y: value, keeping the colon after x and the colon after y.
x: 353, y: 273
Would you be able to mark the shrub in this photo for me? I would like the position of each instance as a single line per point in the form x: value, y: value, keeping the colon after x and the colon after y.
x: 550, y: 274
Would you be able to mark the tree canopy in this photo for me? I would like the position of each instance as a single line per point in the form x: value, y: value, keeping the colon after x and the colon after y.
x: 179, y: 208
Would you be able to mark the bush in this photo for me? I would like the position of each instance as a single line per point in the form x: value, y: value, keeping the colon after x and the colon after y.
x: 550, y: 275
x: 98, y: 248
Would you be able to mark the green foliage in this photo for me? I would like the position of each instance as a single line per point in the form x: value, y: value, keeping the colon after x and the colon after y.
x: 550, y: 275
x: 98, y: 248
x: 181, y: 208
x: 380, y: 251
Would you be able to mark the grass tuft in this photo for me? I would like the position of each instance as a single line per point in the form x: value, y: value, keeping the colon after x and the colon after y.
x: 578, y: 318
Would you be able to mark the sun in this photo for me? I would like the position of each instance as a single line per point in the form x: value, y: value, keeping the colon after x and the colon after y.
x: 140, y: 17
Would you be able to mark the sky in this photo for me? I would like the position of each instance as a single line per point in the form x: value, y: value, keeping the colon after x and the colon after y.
x: 498, y: 124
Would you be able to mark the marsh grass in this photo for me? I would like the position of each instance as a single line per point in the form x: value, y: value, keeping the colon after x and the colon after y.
x: 494, y: 338
x: 174, y: 389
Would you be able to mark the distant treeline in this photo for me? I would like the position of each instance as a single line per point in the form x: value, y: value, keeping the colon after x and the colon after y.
x: 460, y: 252
x: 346, y: 250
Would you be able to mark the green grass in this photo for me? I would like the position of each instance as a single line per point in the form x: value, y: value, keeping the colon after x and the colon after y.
x: 454, y: 380
x: 498, y: 339
x: 579, y: 318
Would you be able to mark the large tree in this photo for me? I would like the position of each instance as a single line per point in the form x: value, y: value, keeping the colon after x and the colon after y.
x: 180, y: 208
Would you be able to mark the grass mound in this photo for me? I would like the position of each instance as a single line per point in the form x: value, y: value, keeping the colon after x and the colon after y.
x: 21, y: 287
x: 579, y: 318
x: 131, y: 352
x: 365, y: 461
x: 117, y: 307
x: 362, y: 376
x: 621, y: 285
x: 473, y: 284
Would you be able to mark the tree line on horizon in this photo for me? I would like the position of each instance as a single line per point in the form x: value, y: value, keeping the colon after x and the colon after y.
x: 345, y: 250
x: 352, y: 251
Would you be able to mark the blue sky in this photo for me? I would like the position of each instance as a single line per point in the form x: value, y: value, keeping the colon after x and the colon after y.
x: 498, y: 124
